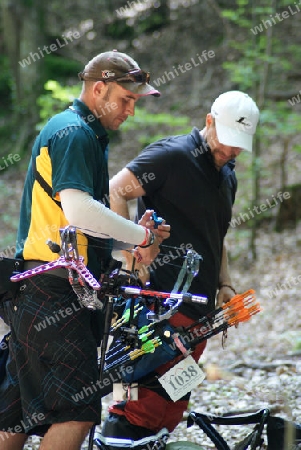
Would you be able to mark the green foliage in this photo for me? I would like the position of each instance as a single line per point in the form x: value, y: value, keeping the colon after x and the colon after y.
x: 281, y: 122
x: 129, y: 22
x: 119, y: 29
x: 144, y: 118
x: 55, y: 100
x: 152, y: 127
x: 259, y: 62
x: 250, y: 43
x: 149, y: 23
x: 59, y: 67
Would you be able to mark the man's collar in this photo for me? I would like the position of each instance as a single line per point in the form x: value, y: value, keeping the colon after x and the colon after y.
x: 200, y: 141
x: 90, y: 118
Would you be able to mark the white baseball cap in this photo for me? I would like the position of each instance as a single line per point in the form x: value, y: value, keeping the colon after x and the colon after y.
x: 236, y: 116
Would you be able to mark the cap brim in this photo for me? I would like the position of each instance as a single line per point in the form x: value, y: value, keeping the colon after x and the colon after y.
x: 233, y: 137
x: 140, y: 89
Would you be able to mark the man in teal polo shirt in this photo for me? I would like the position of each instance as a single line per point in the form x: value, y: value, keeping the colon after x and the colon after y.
x: 53, y: 349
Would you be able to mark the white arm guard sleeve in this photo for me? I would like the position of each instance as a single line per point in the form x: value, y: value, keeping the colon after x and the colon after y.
x: 94, y: 218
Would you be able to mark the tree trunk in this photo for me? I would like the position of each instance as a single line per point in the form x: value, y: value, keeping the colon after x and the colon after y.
x: 283, y: 162
x: 260, y: 100
x: 22, y: 24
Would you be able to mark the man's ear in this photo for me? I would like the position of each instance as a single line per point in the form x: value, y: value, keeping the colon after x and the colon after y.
x: 99, y: 88
x: 209, y: 120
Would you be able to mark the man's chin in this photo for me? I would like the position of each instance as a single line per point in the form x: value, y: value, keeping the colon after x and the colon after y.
x: 117, y: 123
x: 113, y: 126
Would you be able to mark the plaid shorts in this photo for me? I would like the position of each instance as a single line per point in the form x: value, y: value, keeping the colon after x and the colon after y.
x: 52, y: 372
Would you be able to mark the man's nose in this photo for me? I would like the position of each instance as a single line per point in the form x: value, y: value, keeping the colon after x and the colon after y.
x: 130, y: 108
x: 231, y: 151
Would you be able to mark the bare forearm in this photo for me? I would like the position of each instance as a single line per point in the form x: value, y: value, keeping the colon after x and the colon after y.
x: 124, y: 186
x: 224, y: 274
x: 226, y: 289
x: 119, y: 205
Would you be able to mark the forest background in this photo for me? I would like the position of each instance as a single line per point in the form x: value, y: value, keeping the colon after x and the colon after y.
x: 194, y: 50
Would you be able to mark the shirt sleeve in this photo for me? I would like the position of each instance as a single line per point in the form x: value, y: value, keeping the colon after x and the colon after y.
x: 74, y: 157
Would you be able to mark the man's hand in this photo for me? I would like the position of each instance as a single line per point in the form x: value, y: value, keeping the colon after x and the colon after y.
x: 224, y: 295
x: 163, y: 230
x: 147, y: 255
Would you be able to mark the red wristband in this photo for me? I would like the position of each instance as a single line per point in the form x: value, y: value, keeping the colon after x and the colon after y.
x: 151, y: 240
x: 147, y: 232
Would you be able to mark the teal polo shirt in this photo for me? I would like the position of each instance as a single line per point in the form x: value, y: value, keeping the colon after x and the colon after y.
x: 71, y: 152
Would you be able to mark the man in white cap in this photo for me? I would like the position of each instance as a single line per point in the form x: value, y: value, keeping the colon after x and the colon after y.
x: 193, y: 187
x: 52, y: 363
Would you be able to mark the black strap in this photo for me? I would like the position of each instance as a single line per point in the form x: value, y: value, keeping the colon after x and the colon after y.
x: 43, y: 183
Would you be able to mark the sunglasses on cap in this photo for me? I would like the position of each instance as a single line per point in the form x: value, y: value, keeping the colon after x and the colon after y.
x: 134, y: 76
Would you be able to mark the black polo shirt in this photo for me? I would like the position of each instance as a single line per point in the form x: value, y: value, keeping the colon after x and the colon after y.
x: 184, y: 187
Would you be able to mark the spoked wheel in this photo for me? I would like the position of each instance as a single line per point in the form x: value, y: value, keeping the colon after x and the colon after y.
x: 183, y: 445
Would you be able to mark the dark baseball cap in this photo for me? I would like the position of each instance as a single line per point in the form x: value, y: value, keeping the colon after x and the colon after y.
x: 119, y: 67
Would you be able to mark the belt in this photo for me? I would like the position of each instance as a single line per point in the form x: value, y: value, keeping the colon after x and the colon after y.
x: 59, y: 272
